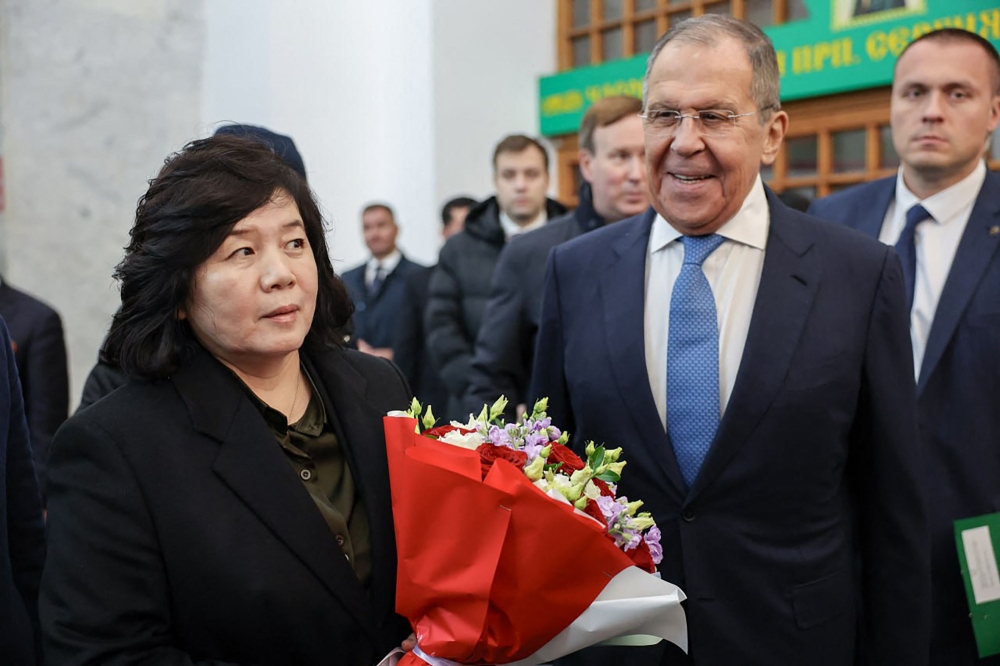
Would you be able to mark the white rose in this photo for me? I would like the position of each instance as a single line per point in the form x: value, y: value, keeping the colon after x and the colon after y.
x: 470, y: 440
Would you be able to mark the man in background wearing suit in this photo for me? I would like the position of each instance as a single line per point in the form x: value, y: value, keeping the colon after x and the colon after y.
x: 753, y: 363
x: 942, y: 212
x: 40, y: 352
x: 614, y: 187
x: 377, y: 286
x: 22, y: 530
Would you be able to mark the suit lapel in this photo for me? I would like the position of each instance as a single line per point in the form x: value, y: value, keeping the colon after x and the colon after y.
x: 872, y: 214
x: 977, y: 247
x: 358, y: 426
x: 251, y: 463
x: 787, y: 288
x: 622, y: 292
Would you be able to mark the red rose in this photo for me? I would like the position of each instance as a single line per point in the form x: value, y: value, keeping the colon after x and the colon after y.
x: 603, y: 487
x: 641, y: 557
x: 594, y: 511
x: 563, y: 454
x: 442, y: 430
x: 489, y: 453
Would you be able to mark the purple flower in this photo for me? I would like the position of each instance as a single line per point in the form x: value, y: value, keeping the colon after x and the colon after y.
x: 536, y: 439
x: 652, y: 540
x: 499, y: 437
x: 610, y: 508
x: 554, y: 433
x: 541, y: 424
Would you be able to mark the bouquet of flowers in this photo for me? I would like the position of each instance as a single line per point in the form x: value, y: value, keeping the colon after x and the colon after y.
x: 512, y: 548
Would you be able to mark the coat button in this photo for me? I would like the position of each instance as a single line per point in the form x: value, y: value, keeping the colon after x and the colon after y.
x: 340, y: 540
x: 306, y: 474
x: 688, y: 515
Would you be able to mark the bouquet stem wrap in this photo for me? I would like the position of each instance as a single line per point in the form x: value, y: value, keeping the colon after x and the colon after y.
x: 491, y: 570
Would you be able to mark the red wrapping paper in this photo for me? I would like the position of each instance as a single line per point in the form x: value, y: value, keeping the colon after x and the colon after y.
x: 489, y: 570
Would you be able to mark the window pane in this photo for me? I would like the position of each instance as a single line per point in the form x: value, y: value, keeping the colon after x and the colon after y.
x: 581, y: 51
x: 612, y: 10
x: 807, y: 192
x: 719, y: 8
x: 645, y: 36
x: 678, y: 16
x: 612, y: 44
x: 849, y: 151
x: 888, y: 159
x: 802, y: 152
x: 645, y: 5
x: 760, y: 12
x: 796, y: 10
x: 581, y: 13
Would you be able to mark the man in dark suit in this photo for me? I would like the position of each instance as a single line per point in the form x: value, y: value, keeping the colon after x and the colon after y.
x: 409, y: 348
x: 40, y: 352
x: 22, y: 530
x: 611, y: 163
x: 753, y: 363
x: 460, y: 284
x: 377, y: 286
x: 945, y: 103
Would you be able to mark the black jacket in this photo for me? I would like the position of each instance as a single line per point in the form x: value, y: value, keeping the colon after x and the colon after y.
x: 409, y: 349
x: 459, y: 291
x: 179, y: 533
x: 40, y: 354
x: 375, y: 315
x: 505, y: 347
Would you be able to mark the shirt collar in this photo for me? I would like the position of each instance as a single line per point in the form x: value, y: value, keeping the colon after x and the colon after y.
x: 749, y: 226
x: 389, y: 263
x: 945, y: 204
x: 512, y: 228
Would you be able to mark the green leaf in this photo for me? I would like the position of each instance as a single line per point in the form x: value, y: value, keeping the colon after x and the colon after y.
x: 608, y: 477
x: 597, y: 459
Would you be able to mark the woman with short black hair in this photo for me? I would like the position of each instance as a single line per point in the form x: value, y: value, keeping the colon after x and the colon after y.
x: 231, y: 503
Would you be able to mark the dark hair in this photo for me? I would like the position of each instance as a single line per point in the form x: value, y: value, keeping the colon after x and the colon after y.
x: 516, y: 143
x: 604, y: 112
x: 959, y: 35
x: 457, y: 202
x: 380, y: 206
x: 188, y: 211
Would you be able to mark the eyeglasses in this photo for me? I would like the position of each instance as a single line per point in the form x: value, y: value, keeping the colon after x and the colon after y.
x: 709, y: 122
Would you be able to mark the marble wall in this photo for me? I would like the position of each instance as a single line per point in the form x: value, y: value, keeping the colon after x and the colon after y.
x: 95, y: 94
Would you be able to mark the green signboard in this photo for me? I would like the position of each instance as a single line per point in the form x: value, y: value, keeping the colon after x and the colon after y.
x: 843, y: 45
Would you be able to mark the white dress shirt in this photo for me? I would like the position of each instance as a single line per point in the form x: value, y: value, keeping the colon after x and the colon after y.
x: 733, y: 271
x: 389, y: 264
x: 936, y: 242
x: 512, y: 228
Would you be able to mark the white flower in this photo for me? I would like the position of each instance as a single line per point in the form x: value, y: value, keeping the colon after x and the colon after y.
x: 470, y: 440
x: 591, y: 490
x: 398, y: 414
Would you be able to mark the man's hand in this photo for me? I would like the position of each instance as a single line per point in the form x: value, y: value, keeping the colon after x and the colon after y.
x: 409, y: 643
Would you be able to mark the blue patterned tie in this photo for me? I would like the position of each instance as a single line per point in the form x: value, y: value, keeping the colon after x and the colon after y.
x: 377, y: 281
x: 907, y: 250
x: 693, y: 360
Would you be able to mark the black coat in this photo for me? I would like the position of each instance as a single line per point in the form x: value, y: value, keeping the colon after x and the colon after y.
x: 409, y: 349
x: 179, y: 533
x: 40, y: 354
x: 505, y: 346
x: 459, y: 291
x: 375, y: 315
x: 22, y: 530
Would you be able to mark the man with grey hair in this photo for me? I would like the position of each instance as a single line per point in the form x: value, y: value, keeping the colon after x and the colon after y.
x: 753, y: 362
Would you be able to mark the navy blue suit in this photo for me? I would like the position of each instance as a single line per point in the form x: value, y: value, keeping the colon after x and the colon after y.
x: 957, y: 394
x: 22, y: 531
x: 376, y: 315
x: 803, y: 540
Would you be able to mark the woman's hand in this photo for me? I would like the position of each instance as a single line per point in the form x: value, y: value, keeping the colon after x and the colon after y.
x: 409, y: 643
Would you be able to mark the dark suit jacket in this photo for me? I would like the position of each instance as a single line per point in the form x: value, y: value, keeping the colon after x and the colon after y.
x: 40, y: 352
x: 179, y: 532
x: 505, y: 346
x: 375, y: 317
x: 22, y: 530
x: 957, y: 394
x: 808, y: 506
x: 409, y: 348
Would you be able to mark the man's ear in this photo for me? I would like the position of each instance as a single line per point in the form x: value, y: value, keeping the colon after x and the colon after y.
x: 586, y: 159
x: 774, y: 134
